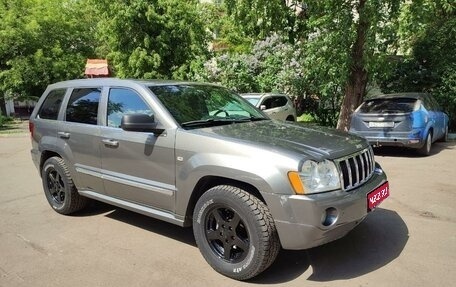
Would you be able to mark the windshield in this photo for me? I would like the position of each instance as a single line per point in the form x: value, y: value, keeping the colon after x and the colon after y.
x: 202, y: 105
x: 398, y: 105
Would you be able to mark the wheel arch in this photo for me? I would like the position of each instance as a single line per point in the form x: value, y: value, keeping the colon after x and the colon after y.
x: 290, y: 118
x: 206, y: 183
x: 45, y: 155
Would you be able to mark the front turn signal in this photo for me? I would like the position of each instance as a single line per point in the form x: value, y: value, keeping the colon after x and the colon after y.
x: 296, y: 183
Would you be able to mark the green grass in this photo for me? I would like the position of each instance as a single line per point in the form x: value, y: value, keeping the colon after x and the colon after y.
x: 306, y: 118
x: 13, y: 126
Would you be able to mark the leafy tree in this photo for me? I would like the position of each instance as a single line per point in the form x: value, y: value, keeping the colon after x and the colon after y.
x: 273, y: 64
x: 346, y: 43
x: 351, y: 39
x: 259, y: 19
x: 42, y: 41
x: 227, y: 34
x: 428, y: 30
x: 151, y: 38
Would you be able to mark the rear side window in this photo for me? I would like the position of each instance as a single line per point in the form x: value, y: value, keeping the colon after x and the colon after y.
x: 50, y: 108
x: 83, y: 106
x: 400, y: 105
x: 275, y: 102
x: 122, y: 102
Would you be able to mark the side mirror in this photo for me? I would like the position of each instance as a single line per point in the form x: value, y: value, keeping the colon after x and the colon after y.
x: 263, y: 107
x: 140, y: 123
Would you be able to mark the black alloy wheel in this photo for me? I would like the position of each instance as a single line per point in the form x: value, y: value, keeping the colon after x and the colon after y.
x: 227, y: 234
x: 235, y: 232
x: 59, y: 188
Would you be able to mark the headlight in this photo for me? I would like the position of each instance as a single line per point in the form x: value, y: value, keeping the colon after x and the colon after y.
x: 315, y: 177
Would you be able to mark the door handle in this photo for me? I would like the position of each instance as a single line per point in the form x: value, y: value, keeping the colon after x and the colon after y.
x: 64, y: 135
x: 110, y: 143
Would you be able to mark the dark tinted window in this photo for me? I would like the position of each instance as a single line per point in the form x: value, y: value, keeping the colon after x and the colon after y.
x: 51, y: 105
x: 122, y: 102
x: 399, y: 105
x: 274, y: 102
x: 83, y: 106
x: 279, y: 101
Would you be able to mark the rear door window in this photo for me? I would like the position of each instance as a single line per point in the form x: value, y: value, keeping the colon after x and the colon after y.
x: 51, y: 106
x: 83, y: 106
x: 380, y: 106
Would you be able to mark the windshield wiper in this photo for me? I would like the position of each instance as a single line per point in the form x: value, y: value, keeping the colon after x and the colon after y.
x: 254, y: 119
x: 216, y: 121
x: 205, y: 122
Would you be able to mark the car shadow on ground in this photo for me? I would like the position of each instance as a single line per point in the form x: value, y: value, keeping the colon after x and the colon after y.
x: 411, y: 153
x: 378, y: 240
x: 173, y: 231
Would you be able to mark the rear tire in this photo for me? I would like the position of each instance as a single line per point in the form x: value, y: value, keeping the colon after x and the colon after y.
x: 59, y: 188
x: 426, y: 149
x: 235, y: 232
x: 445, y: 135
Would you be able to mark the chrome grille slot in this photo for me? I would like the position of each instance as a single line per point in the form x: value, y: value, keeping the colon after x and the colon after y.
x: 356, y: 169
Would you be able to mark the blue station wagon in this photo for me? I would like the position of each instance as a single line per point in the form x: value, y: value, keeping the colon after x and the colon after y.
x: 412, y: 120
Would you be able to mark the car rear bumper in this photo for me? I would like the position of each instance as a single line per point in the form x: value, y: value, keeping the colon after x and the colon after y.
x: 301, y: 221
x: 411, y: 139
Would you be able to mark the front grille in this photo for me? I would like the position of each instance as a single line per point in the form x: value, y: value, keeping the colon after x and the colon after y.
x: 356, y: 168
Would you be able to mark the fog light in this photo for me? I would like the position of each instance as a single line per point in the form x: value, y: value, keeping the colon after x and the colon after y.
x: 329, y: 216
x: 414, y: 141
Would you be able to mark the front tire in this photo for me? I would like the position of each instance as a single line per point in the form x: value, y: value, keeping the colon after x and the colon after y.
x: 235, y: 232
x: 59, y: 188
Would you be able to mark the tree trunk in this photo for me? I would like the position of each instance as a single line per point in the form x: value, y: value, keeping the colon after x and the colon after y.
x: 357, y: 79
x: 2, y: 105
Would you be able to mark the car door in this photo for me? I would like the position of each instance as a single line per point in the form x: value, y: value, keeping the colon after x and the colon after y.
x: 80, y: 131
x: 138, y: 167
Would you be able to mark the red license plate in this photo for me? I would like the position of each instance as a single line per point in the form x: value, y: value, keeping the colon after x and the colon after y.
x: 375, y: 197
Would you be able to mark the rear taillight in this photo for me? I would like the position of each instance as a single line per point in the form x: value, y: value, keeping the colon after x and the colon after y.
x: 31, y: 128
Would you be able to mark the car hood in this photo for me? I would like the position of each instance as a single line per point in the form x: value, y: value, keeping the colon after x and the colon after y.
x: 313, y: 141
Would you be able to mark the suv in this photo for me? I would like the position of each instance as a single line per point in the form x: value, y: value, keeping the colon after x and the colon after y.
x: 172, y: 150
x: 276, y: 106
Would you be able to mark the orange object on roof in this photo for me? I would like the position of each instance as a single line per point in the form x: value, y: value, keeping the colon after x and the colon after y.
x: 96, y: 68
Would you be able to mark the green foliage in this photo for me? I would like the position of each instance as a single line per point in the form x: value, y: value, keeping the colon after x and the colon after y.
x: 259, y: 19
x: 428, y: 30
x: 151, y: 38
x: 273, y: 65
x: 306, y: 118
x: 43, y: 41
x: 227, y: 35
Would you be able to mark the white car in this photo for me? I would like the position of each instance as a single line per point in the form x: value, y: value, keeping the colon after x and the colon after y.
x: 276, y: 106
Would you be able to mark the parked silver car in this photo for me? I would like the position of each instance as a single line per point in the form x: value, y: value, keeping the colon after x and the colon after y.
x: 199, y: 155
x: 276, y: 106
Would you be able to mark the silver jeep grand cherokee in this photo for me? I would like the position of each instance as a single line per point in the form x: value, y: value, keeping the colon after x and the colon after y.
x: 198, y: 154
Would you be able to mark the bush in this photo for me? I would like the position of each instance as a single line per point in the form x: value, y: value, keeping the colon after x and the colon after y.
x: 5, y: 120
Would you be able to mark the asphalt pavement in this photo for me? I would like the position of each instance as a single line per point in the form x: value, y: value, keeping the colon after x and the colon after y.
x: 410, y: 240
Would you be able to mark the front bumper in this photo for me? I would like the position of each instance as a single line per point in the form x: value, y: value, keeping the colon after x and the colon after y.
x: 301, y: 221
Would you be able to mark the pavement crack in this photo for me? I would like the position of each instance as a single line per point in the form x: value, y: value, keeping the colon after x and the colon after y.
x: 20, y: 198
x: 33, y: 245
